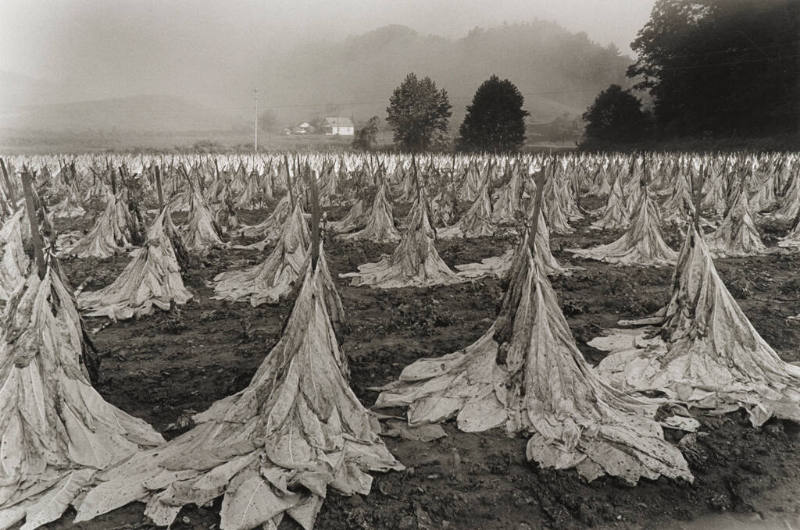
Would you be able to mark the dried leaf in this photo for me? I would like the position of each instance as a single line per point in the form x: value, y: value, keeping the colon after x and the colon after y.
x: 250, y: 504
x: 52, y: 504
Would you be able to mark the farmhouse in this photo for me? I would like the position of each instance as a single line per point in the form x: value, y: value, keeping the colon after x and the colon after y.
x: 336, y: 126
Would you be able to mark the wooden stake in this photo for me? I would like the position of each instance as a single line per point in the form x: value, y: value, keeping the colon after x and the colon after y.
x: 289, y: 182
x: 315, y: 219
x: 182, y: 171
x: 113, y: 181
x: 36, y: 237
x: 645, y: 171
x: 416, y: 175
x: 6, y: 209
x: 697, y: 181
x: 159, y: 188
x: 123, y: 177
x: 540, y: 179
x: 72, y: 173
x: 9, y: 187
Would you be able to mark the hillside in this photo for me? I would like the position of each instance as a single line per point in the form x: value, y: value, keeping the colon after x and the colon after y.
x: 557, y: 71
x: 147, y: 113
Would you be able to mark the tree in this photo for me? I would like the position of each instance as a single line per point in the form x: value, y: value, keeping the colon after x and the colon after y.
x: 418, y: 113
x: 616, y: 116
x: 721, y: 68
x: 496, y: 120
x: 367, y: 136
x: 318, y: 124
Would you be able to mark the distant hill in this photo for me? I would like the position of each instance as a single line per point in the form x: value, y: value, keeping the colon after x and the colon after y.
x: 147, y: 113
x: 558, y: 72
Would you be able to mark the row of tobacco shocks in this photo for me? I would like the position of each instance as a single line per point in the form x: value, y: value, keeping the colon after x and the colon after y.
x: 273, y: 449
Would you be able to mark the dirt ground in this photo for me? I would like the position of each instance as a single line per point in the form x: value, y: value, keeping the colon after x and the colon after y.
x: 166, y: 366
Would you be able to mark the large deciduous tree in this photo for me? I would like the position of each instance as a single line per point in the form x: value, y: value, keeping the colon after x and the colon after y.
x: 495, y: 122
x: 418, y: 113
x: 721, y: 68
x: 616, y: 116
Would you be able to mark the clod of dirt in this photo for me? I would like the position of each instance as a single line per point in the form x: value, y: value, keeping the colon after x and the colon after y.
x: 498, y: 465
x: 407, y: 523
x: 184, y: 422
x: 173, y: 325
x: 572, y: 307
x: 721, y: 502
x: 456, y: 470
x: 741, y: 287
x: 775, y: 428
x: 424, y: 521
x: 693, y: 452
x: 246, y: 334
x: 194, y: 278
x: 791, y: 287
x: 755, y: 467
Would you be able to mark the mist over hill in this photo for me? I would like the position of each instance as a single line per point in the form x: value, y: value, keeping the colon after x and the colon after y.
x: 146, y: 113
x: 558, y: 72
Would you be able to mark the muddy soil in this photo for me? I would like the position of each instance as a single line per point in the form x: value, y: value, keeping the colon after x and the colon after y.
x: 166, y: 366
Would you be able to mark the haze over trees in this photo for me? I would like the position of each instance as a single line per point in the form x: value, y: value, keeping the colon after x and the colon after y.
x: 419, y: 114
x: 721, y: 68
x: 556, y: 70
x: 559, y: 72
x: 495, y: 122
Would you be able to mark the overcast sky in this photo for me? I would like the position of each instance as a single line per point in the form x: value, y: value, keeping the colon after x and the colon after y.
x: 120, y: 47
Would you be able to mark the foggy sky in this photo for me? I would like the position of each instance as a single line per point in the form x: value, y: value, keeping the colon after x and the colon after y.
x: 211, y: 50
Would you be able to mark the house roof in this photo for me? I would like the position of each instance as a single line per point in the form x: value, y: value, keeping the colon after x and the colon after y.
x: 337, y: 121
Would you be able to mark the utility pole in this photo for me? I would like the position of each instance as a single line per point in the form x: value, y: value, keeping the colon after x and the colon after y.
x: 255, y: 123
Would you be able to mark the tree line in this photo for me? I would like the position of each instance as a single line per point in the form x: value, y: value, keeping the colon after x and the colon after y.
x: 704, y: 68
x: 419, y: 115
x: 707, y: 69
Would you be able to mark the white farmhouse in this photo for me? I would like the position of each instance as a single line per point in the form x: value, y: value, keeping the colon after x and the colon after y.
x: 337, y: 126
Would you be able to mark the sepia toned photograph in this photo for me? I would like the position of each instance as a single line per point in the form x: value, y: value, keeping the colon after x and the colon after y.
x: 400, y: 264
